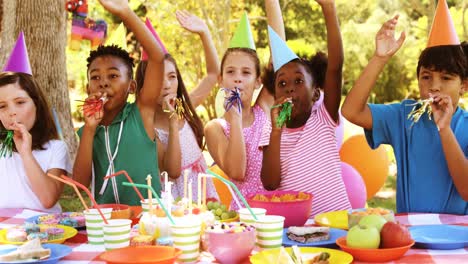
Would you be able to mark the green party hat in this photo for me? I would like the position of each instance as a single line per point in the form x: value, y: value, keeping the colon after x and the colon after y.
x: 118, y: 37
x: 243, y: 37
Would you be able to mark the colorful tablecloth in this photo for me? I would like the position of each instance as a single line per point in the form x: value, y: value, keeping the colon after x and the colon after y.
x: 84, y: 253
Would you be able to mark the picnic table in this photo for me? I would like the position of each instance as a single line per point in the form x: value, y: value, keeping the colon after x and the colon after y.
x: 83, y: 253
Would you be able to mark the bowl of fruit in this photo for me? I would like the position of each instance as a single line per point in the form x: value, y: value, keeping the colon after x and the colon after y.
x: 294, y: 206
x: 374, y: 239
x: 355, y: 215
x: 221, y: 212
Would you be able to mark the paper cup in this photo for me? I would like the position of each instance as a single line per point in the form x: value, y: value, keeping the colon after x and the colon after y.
x: 94, y: 225
x: 145, y: 204
x: 117, y: 233
x: 186, y: 237
x: 246, y: 217
x: 269, y: 231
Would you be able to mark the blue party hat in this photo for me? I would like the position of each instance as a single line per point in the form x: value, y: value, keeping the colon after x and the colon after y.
x: 280, y: 52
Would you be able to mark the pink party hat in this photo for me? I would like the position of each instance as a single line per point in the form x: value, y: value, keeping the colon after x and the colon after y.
x: 144, y: 55
x: 19, y: 60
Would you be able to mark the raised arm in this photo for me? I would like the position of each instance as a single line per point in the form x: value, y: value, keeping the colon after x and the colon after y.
x: 333, y: 76
x: 149, y: 93
x: 196, y: 25
x: 355, y: 108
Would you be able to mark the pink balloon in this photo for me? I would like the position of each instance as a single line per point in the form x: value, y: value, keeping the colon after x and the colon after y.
x: 355, y: 186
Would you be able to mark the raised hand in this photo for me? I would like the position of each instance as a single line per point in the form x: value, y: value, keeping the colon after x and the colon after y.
x: 191, y: 22
x: 385, y: 42
x: 116, y: 7
x: 442, y: 110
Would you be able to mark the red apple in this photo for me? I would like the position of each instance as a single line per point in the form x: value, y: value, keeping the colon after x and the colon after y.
x: 394, y: 235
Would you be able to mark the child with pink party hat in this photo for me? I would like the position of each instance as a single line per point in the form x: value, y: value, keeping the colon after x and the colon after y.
x: 28, y: 139
x: 179, y: 129
x: 301, y: 154
x: 429, y: 137
x: 233, y: 138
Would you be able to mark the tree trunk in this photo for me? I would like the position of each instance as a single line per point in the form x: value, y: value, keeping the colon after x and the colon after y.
x: 44, y: 23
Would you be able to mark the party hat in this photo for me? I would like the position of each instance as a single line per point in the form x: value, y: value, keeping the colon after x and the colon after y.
x: 144, y: 55
x: 118, y: 37
x: 19, y: 60
x: 442, y: 30
x: 243, y: 37
x: 280, y: 52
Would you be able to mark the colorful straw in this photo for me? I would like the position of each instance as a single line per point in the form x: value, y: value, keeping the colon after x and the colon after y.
x: 233, y: 99
x: 129, y: 179
x: 6, y: 143
x: 227, y: 182
x: 73, y: 186
x: 81, y: 186
x: 285, y: 113
x: 155, y: 195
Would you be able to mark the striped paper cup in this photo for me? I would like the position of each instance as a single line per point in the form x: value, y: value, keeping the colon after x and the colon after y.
x: 145, y: 204
x: 117, y: 233
x: 246, y: 217
x: 269, y: 231
x: 94, y: 225
x: 186, y: 237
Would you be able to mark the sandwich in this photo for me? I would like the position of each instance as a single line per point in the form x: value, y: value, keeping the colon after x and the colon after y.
x: 308, y: 234
x: 31, y: 250
x: 297, y: 258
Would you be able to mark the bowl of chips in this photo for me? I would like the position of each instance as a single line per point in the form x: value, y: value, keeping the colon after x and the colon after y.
x: 293, y: 205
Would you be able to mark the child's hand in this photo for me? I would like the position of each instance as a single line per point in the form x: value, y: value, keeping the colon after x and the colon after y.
x: 116, y: 7
x: 169, y: 104
x: 442, y: 110
x: 385, y: 43
x: 93, y: 119
x: 22, y: 138
x: 191, y: 22
x: 275, y: 110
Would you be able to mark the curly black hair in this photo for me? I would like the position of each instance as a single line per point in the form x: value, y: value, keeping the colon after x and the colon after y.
x: 112, y: 50
x: 315, y: 65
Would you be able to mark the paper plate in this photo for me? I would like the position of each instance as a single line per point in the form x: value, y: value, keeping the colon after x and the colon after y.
x: 374, y: 255
x: 330, y: 243
x: 68, y: 232
x: 440, y: 236
x: 57, y: 252
x: 34, y: 220
x: 143, y: 254
x: 335, y: 219
x: 271, y: 255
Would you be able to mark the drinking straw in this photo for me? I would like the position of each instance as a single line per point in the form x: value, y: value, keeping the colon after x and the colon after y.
x: 73, y: 186
x: 150, y: 199
x: 155, y: 195
x: 231, y: 191
x: 129, y: 179
x: 227, y: 182
x: 81, y: 186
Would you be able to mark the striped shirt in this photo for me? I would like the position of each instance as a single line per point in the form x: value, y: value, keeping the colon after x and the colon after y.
x: 310, y: 161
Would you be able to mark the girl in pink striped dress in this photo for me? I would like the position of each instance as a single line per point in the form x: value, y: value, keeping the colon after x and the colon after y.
x: 302, y: 154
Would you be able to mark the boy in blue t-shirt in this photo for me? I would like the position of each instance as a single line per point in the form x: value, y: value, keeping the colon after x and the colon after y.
x: 431, y: 153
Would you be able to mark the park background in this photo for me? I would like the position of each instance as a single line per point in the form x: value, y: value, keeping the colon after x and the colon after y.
x: 61, y: 70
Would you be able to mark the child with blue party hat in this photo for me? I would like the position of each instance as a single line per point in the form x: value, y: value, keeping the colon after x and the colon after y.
x: 29, y: 143
x: 178, y: 127
x: 233, y: 139
x: 429, y: 137
x: 299, y: 146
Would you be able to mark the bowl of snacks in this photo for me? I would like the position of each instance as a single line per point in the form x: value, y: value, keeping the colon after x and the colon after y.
x: 119, y: 211
x: 355, y: 215
x: 240, y: 238
x: 294, y: 206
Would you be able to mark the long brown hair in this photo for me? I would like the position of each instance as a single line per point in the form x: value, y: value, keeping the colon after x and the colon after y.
x: 44, y: 128
x: 189, y: 114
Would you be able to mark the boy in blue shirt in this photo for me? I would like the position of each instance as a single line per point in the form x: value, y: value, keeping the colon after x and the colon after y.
x: 431, y: 154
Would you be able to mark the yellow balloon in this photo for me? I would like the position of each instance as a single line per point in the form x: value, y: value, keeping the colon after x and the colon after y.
x: 371, y: 164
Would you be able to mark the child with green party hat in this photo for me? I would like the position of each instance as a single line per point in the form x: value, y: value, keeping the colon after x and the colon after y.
x: 233, y: 139
x: 300, y: 151
x: 30, y: 146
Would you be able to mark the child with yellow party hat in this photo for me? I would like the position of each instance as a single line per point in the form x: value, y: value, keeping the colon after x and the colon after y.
x: 429, y: 137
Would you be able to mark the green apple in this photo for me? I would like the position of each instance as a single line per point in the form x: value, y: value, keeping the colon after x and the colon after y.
x: 363, y: 237
x: 373, y: 220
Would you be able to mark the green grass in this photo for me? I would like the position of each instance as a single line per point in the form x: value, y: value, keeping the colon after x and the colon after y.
x: 70, y: 201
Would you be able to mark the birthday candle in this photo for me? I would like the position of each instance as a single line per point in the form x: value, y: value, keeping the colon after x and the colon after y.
x: 199, y: 190
x: 204, y: 189
x: 185, y: 184
x: 150, y: 196
x: 169, y: 196
x: 190, y: 196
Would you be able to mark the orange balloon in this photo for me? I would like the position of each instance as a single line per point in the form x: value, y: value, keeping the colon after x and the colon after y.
x: 371, y: 164
x: 224, y: 194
